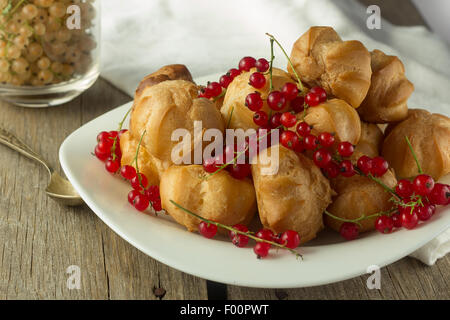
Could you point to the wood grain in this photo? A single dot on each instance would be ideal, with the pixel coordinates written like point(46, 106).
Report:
point(39, 239)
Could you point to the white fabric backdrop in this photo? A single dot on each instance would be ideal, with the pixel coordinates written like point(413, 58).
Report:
point(210, 36)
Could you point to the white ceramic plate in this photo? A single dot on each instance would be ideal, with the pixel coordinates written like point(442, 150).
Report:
point(327, 259)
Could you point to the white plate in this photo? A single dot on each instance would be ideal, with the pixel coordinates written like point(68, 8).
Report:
point(327, 259)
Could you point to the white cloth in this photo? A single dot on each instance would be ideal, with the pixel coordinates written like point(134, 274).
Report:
point(210, 36)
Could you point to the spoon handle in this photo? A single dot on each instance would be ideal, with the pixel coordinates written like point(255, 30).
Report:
point(10, 140)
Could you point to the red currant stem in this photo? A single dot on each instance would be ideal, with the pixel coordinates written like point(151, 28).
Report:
point(363, 217)
point(237, 155)
point(414, 155)
point(223, 226)
point(305, 107)
point(231, 115)
point(113, 148)
point(390, 190)
point(220, 95)
point(289, 60)
point(272, 57)
point(135, 160)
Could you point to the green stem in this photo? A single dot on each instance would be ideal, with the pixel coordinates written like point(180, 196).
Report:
point(272, 57)
point(414, 155)
point(363, 217)
point(229, 119)
point(223, 226)
point(113, 148)
point(385, 187)
point(289, 61)
point(10, 13)
point(135, 160)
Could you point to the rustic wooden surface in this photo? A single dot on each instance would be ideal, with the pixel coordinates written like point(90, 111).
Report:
point(39, 239)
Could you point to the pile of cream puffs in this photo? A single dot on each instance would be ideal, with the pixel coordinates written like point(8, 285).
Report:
point(351, 155)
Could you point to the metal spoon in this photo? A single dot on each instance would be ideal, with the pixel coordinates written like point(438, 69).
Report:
point(59, 188)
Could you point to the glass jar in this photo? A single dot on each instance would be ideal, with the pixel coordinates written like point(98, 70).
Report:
point(49, 50)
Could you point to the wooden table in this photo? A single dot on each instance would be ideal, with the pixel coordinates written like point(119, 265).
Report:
point(40, 239)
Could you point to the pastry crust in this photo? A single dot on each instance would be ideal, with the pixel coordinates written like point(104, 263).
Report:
point(357, 196)
point(389, 90)
point(335, 116)
point(237, 91)
point(370, 141)
point(295, 197)
point(430, 138)
point(150, 166)
point(169, 72)
point(220, 198)
point(342, 68)
point(165, 107)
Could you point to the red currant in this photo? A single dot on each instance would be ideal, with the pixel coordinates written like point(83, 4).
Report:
point(208, 230)
point(290, 91)
point(112, 165)
point(225, 80)
point(312, 99)
point(214, 88)
point(440, 195)
point(103, 136)
point(384, 224)
point(240, 170)
point(322, 158)
point(287, 139)
point(262, 65)
point(152, 193)
point(260, 118)
point(298, 104)
point(275, 120)
point(349, 230)
point(303, 128)
point(265, 234)
point(233, 73)
point(346, 169)
point(253, 101)
point(104, 146)
point(157, 205)
point(257, 80)
point(320, 92)
point(113, 134)
point(379, 167)
point(205, 93)
point(326, 139)
point(345, 149)
point(239, 240)
point(261, 249)
point(246, 63)
point(102, 156)
point(210, 165)
point(138, 185)
point(311, 142)
point(365, 164)
point(332, 170)
point(290, 239)
point(404, 188)
point(141, 202)
point(423, 184)
point(128, 172)
point(276, 100)
point(298, 145)
point(409, 220)
point(424, 213)
point(397, 220)
point(288, 119)
point(132, 195)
